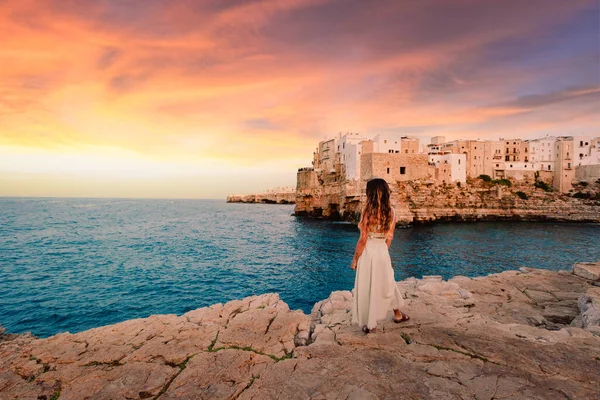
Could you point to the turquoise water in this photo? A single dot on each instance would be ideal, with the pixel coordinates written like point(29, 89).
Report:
point(74, 264)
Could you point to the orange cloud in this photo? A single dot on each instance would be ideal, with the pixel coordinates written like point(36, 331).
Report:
point(246, 84)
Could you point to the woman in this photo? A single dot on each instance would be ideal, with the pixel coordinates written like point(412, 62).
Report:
point(375, 290)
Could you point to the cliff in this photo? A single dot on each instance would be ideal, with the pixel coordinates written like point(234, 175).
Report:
point(425, 201)
point(520, 334)
point(265, 198)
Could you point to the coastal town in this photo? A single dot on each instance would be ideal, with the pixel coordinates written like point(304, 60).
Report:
point(559, 161)
point(550, 178)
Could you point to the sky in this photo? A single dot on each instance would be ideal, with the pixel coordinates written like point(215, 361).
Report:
point(202, 98)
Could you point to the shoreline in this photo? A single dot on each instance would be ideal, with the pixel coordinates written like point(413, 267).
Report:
point(5, 332)
point(534, 332)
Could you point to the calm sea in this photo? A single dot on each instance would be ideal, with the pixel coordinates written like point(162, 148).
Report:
point(74, 264)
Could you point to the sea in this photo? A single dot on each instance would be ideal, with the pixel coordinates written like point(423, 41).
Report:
point(67, 265)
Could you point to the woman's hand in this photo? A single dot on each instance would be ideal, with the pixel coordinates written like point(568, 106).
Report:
point(353, 265)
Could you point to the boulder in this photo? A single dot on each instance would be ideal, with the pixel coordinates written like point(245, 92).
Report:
point(589, 270)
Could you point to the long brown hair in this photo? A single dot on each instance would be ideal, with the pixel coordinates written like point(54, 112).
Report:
point(377, 211)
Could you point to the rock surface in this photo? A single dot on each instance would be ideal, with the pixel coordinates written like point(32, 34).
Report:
point(589, 271)
point(424, 202)
point(529, 334)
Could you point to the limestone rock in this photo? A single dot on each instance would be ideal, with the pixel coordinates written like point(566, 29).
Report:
point(589, 271)
point(220, 375)
point(507, 335)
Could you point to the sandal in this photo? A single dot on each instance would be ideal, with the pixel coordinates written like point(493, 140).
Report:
point(403, 319)
point(365, 329)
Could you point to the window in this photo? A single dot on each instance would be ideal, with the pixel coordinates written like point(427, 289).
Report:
point(581, 143)
point(548, 167)
point(497, 165)
point(514, 150)
point(388, 170)
point(459, 161)
point(511, 165)
point(390, 151)
point(580, 155)
point(568, 165)
point(343, 145)
point(507, 150)
point(385, 141)
point(402, 170)
point(507, 158)
point(397, 151)
point(406, 151)
point(475, 147)
point(514, 142)
point(586, 143)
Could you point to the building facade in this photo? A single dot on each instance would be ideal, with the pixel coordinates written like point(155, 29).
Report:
point(353, 157)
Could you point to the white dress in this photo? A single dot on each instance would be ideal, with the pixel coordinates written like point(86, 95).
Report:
point(375, 290)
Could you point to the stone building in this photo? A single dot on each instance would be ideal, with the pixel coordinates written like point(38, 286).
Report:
point(352, 157)
point(564, 170)
point(586, 150)
point(448, 167)
point(325, 156)
point(394, 167)
point(476, 152)
point(395, 144)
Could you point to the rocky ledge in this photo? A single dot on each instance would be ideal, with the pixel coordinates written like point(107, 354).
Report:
point(529, 334)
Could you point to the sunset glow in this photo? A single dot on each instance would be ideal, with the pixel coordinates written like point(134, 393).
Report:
point(198, 99)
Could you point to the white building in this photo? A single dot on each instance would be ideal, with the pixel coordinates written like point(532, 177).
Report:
point(542, 151)
point(350, 149)
point(438, 140)
point(395, 143)
point(457, 164)
point(585, 150)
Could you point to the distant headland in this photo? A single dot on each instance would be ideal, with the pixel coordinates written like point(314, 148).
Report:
point(280, 195)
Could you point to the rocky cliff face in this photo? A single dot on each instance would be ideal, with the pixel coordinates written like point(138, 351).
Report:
point(421, 202)
point(265, 198)
point(529, 334)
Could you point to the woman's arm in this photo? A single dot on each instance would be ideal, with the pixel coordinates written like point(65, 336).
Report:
point(390, 233)
point(360, 247)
